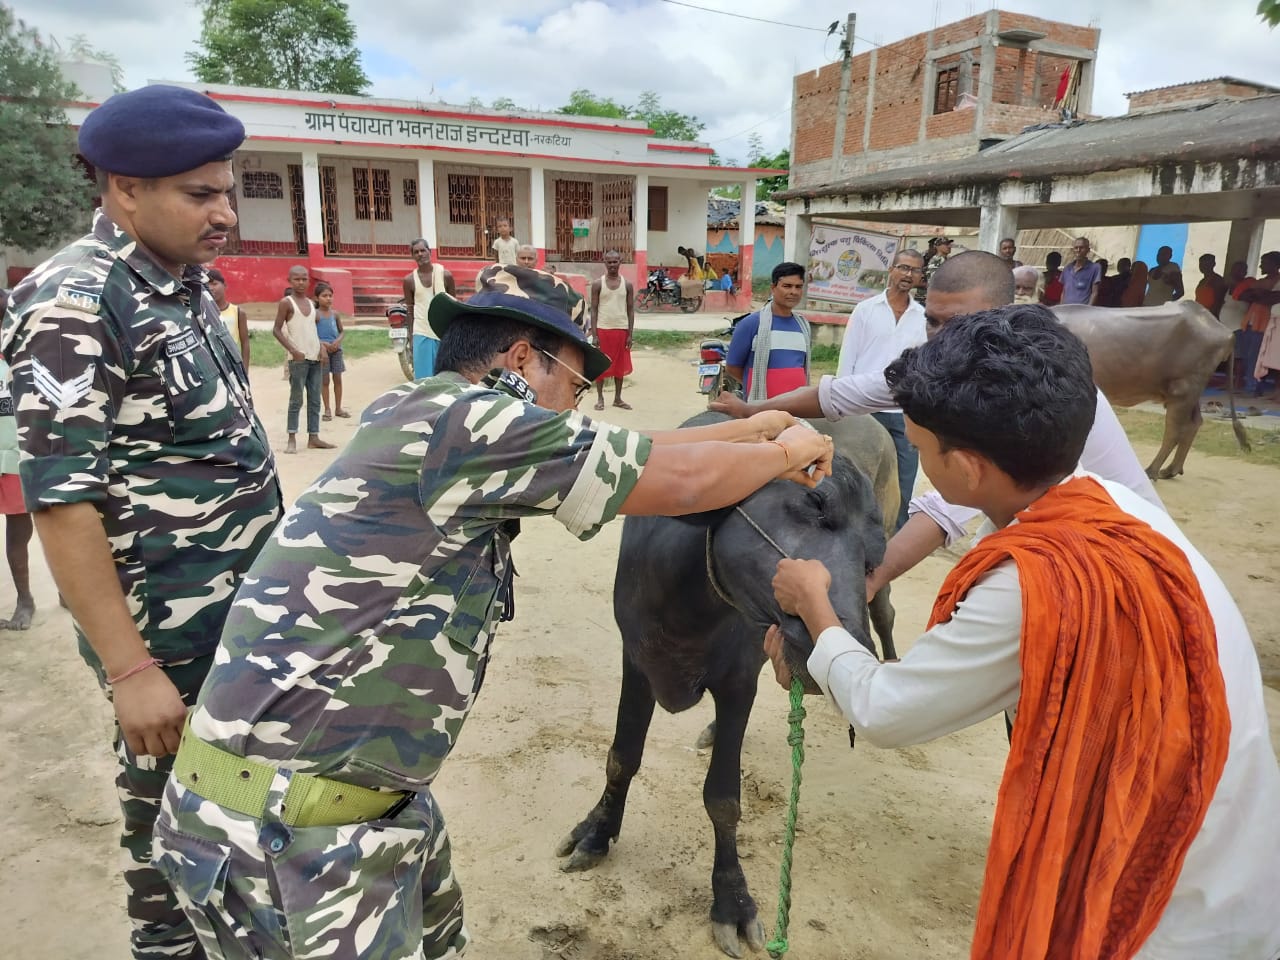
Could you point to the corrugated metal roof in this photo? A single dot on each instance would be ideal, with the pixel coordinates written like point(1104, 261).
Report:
point(1219, 131)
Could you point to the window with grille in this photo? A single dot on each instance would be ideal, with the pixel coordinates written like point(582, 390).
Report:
point(946, 89)
point(261, 185)
point(381, 194)
point(658, 208)
point(410, 187)
point(360, 191)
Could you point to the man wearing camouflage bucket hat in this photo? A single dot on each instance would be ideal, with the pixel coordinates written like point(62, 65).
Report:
point(146, 470)
point(299, 820)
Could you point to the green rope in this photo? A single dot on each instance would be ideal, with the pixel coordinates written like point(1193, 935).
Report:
point(795, 736)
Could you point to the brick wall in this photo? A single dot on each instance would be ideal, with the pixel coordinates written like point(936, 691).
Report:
point(813, 114)
point(1022, 82)
point(1189, 93)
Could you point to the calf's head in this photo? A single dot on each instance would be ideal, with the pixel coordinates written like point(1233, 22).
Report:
point(838, 522)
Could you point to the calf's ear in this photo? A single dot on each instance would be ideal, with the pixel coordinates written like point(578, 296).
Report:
point(870, 524)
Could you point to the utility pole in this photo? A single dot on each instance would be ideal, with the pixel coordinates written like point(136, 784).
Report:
point(842, 100)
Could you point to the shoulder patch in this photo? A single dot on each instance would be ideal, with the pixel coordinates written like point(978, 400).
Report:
point(77, 298)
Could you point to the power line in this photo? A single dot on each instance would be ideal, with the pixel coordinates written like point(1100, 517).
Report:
point(743, 16)
point(786, 109)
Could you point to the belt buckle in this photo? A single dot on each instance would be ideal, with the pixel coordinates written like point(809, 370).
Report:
point(399, 806)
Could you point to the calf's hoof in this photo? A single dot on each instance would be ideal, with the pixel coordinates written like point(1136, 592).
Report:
point(584, 846)
point(1168, 473)
point(707, 737)
point(729, 936)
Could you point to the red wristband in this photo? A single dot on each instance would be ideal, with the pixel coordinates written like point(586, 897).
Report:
point(133, 671)
point(785, 452)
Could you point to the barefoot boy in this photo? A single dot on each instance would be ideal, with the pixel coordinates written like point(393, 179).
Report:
point(296, 330)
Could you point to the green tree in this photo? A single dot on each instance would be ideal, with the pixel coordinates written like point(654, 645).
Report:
point(1269, 11)
point(81, 49)
point(282, 44)
point(584, 103)
point(766, 187)
point(504, 103)
point(668, 124)
point(44, 195)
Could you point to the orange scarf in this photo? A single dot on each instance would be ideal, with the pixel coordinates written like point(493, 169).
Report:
point(1121, 734)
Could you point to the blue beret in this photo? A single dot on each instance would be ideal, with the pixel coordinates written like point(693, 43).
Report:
point(158, 131)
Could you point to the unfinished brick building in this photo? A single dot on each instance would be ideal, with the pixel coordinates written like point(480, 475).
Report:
point(937, 95)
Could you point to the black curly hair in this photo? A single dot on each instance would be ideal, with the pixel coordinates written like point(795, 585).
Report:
point(1011, 384)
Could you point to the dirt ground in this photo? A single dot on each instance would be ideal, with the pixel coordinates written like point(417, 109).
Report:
point(889, 856)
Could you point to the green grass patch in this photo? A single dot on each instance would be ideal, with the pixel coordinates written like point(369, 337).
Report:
point(1215, 437)
point(265, 350)
point(666, 339)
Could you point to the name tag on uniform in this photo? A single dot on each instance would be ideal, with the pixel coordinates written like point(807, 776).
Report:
point(184, 342)
point(85, 301)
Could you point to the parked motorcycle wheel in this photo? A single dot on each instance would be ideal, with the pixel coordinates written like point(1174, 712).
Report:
point(644, 301)
point(405, 356)
point(690, 304)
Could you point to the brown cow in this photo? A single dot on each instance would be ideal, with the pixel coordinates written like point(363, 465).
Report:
point(1166, 353)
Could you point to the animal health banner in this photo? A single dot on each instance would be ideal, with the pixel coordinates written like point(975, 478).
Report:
point(848, 265)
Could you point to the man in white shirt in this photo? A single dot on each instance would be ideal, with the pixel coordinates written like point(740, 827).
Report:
point(1138, 809)
point(879, 329)
point(966, 283)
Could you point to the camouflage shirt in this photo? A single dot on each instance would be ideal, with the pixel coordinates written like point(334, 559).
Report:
point(131, 395)
point(358, 640)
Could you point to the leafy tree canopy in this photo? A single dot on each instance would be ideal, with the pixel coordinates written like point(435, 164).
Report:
point(44, 195)
point(669, 124)
point(1269, 11)
point(282, 44)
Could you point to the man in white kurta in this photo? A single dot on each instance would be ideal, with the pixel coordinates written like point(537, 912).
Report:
point(969, 667)
point(879, 329)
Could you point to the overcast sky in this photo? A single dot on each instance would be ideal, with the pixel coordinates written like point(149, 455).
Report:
point(734, 74)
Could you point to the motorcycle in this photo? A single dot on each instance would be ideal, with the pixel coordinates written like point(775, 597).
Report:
point(662, 290)
point(398, 333)
point(713, 379)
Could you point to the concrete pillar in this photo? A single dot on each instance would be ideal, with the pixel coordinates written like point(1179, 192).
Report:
point(1084, 97)
point(640, 224)
point(747, 234)
point(997, 222)
point(798, 233)
point(427, 200)
point(311, 205)
point(1244, 242)
point(869, 108)
point(538, 212)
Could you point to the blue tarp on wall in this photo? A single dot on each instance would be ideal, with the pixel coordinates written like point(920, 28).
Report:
point(1153, 236)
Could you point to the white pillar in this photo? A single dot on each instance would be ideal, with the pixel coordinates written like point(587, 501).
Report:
point(427, 200)
point(538, 207)
point(311, 206)
point(1244, 242)
point(997, 222)
point(798, 233)
point(640, 216)
point(747, 234)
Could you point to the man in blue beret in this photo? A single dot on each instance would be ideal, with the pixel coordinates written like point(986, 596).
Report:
point(148, 474)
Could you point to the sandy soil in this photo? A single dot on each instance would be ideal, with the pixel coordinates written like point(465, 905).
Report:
point(889, 856)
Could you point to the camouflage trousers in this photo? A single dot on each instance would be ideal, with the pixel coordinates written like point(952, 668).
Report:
point(160, 928)
point(256, 888)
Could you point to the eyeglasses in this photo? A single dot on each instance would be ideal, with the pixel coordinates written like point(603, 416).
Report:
point(903, 268)
point(581, 389)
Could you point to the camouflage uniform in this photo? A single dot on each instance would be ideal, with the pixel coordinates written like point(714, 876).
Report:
point(354, 651)
point(131, 395)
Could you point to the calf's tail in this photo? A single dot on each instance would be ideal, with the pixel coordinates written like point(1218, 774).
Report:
point(1242, 439)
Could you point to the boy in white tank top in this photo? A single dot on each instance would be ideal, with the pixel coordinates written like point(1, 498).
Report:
point(295, 329)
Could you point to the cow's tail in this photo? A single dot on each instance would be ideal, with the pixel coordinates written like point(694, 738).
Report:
point(1237, 427)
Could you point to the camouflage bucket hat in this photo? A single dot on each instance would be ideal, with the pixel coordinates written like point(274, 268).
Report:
point(531, 296)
